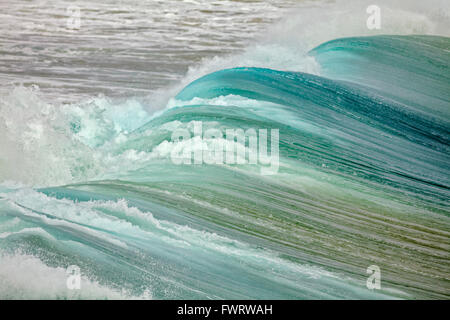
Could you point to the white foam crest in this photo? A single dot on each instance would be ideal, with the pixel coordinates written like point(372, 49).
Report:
point(314, 23)
point(36, 231)
point(81, 216)
point(91, 217)
point(46, 144)
point(285, 44)
point(36, 145)
point(24, 276)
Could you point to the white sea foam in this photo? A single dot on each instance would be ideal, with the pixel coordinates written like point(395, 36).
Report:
point(23, 276)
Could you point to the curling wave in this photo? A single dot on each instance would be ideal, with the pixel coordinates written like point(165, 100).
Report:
point(363, 180)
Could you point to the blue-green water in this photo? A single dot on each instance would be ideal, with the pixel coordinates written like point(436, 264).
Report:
point(363, 180)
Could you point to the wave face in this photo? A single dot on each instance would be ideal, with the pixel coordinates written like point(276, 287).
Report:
point(363, 180)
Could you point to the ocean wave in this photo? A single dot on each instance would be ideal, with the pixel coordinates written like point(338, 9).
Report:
point(363, 179)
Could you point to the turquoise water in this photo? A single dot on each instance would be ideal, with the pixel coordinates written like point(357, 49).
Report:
point(363, 180)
